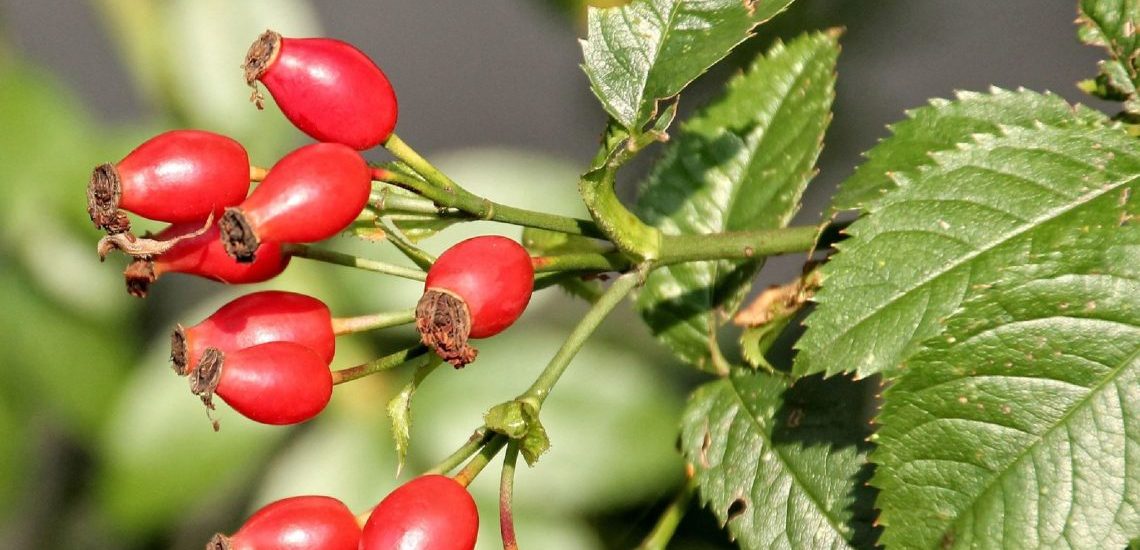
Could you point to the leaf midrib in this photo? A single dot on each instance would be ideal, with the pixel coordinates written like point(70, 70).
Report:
point(1061, 421)
point(792, 472)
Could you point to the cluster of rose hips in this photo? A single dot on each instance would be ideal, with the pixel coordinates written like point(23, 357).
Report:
point(267, 354)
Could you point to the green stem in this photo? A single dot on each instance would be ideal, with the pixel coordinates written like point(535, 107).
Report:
point(387, 362)
point(417, 255)
point(667, 524)
point(385, 201)
point(477, 440)
point(446, 193)
point(617, 222)
point(596, 187)
point(340, 258)
point(741, 245)
point(363, 323)
point(465, 476)
point(541, 387)
point(581, 261)
point(506, 495)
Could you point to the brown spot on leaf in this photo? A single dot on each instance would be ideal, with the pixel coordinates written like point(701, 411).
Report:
point(738, 507)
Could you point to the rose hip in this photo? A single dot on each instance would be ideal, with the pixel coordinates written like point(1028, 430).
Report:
point(431, 512)
point(257, 318)
point(203, 256)
point(272, 383)
point(309, 195)
point(177, 176)
point(327, 88)
point(295, 523)
point(475, 289)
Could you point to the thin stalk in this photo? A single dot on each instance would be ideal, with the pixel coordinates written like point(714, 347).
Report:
point(387, 362)
point(581, 261)
point(506, 495)
point(465, 476)
point(257, 173)
point(667, 524)
point(541, 387)
point(376, 321)
point(445, 192)
point(417, 255)
point(340, 258)
point(741, 245)
point(477, 440)
point(385, 200)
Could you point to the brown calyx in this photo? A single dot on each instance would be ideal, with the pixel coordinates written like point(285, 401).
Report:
point(104, 190)
point(204, 379)
point(179, 352)
point(444, 324)
point(138, 275)
point(219, 542)
point(262, 53)
point(238, 236)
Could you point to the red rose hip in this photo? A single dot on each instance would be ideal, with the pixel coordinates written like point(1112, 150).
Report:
point(257, 318)
point(327, 88)
point(204, 256)
point(272, 383)
point(295, 523)
point(431, 512)
point(309, 195)
point(475, 289)
point(177, 176)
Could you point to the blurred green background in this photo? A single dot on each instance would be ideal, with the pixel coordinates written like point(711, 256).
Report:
point(103, 447)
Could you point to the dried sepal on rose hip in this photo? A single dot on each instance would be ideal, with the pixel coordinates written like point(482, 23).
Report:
point(176, 176)
point(310, 195)
point(295, 523)
point(257, 318)
point(272, 383)
point(191, 251)
point(476, 289)
point(430, 512)
point(327, 88)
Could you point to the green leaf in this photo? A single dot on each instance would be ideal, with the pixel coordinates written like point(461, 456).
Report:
point(782, 465)
point(400, 407)
point(1019, 426)
point(1112, 24)
point(650, 50)
point(953, 229)
point(944, 124)
point(742, 163)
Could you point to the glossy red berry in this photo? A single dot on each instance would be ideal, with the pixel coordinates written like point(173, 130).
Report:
point(475, 289)
point(309, 195)
point(204, 256)
point(257, 318)
point(328, 88)
point(295, 523)
point(177, 176)
point(271, 383)
point(430, 512)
